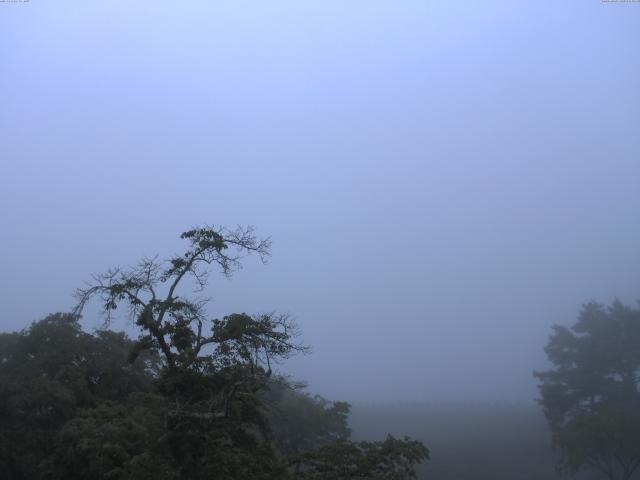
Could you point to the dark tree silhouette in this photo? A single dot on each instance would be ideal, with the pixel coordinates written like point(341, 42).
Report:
point(192, 397)
point(173, 324)
point(591, 397)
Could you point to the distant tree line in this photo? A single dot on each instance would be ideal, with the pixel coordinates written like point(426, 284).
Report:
point(190, 398)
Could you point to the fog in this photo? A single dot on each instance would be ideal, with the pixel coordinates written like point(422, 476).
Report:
point(442, 181)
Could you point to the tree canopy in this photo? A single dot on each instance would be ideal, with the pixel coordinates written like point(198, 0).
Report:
point(591, 397)
point(51, 372)
point(192, 397)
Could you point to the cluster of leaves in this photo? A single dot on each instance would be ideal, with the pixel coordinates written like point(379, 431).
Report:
point(191, 398)
point(591, 397)
point(392, 459)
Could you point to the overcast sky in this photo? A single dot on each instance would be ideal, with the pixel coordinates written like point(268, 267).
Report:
point(443, 181)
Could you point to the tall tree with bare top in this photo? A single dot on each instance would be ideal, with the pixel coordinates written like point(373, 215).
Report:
point(214, 368)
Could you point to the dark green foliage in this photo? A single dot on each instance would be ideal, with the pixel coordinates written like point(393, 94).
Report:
point(393, 459)
point(591, 398)
point(72, 407)
point(48, 373)
point(112, 441)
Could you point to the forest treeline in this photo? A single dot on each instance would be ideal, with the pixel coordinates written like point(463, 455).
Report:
point(198, 398)
point(190, 398)
point(74, 406)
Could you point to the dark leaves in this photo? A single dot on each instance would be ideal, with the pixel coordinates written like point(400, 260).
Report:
point(593, 387)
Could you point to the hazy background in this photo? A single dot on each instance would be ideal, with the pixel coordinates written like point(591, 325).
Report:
point(442, 180)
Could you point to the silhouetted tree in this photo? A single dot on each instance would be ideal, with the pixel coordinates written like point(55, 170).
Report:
point(172, 324)
point(213, 370)
point(591, 397)
point(191, 398)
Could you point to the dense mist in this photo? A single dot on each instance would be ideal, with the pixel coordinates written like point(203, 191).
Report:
point(441, 181)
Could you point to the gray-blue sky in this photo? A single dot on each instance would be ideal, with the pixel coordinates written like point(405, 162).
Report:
point(442, 180)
